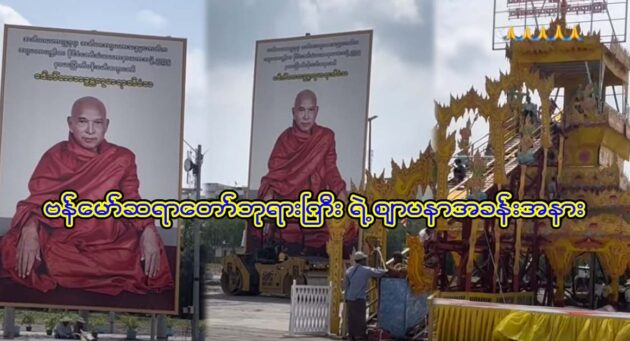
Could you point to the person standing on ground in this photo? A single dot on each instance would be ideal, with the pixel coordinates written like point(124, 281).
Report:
point(355, 294)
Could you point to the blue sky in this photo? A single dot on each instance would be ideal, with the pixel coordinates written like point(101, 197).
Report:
point(156, 18)
point(221, 39)
point(401, 76)
point(410, 70)
point(138, 16)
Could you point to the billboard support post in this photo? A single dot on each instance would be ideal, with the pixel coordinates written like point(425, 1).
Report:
point(8, 324)
point(160, 328)
point(152, 338)
point(370, 143)
point(197, 172)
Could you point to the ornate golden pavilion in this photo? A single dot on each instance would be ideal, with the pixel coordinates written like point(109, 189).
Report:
point(568, 148)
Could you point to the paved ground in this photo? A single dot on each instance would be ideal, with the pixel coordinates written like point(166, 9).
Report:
point(40, 336)
point(248, 317)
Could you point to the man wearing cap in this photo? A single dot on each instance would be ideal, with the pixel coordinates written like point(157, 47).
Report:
point(355, 294)
point(64, 329)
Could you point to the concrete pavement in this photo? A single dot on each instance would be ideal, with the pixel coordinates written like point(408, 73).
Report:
point(248, 317)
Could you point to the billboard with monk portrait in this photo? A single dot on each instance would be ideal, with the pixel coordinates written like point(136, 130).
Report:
point(89, 112)
point(309, 118)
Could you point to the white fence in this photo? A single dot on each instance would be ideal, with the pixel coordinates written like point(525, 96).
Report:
point(310, 309)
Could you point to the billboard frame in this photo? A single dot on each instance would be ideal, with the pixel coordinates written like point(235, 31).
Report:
point(370, 32)
point(180, 225)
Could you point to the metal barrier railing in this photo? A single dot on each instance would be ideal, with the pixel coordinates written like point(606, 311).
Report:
point(511, 146)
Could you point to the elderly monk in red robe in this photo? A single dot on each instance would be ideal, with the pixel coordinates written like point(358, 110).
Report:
point(106, 256)
point(303, 158)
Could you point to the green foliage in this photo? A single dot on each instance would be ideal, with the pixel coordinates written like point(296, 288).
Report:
point(28, 319)
point(51, 321)
point(98, 321)
point(131, 322)
point(216, 231)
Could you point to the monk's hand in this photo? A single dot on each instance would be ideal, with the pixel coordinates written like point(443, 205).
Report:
point(28, 250)
point(150, 252)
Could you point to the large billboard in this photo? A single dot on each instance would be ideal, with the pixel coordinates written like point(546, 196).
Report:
point(309, 119)
point(90, 112)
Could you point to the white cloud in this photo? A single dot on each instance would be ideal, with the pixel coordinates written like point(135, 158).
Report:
point(401, 89)
point(402, 97)
point(196, 116)
point(228, 137)
point(10, 16)
point(463, 48)
point(310, 15)
point(315, 12)
point(406, 11)
point(151, 19)
point(196, 79)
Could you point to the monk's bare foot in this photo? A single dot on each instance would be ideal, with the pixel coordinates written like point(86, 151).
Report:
point(150, 249)
point(28, 250)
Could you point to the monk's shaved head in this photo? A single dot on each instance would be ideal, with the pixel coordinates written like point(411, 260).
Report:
point(88, 122)
point(304, 94)
point(305, 110)
point(88, 102)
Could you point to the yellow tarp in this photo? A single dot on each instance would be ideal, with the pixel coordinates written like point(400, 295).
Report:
point(532, 326)
point(475, 321)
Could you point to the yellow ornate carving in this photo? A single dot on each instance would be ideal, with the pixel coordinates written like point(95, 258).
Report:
point(420, 278)
point(615, 260)
point(560, 258)
point(419, 173)
point(585, 111)
point(472, 241)
point(464, 142)
point(375, 188)
point(334, 248)
point(598, 227)
point(575, 177)
point(602, 198)
point(477, 180)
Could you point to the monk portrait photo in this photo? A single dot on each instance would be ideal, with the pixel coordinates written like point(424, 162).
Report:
point(304, 157)
point(105, 256)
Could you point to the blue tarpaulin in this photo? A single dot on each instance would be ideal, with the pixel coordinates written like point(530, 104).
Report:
point(399, 309)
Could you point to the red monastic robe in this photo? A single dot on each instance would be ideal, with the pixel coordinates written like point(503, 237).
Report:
point(98, 255)
point(301, 161)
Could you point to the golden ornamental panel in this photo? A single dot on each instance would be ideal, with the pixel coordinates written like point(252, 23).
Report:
point(573, 177)
point(600, 199)
point(420, 277)
point(599, 227)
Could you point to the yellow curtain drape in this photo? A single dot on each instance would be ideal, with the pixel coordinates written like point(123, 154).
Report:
point(464, 323)
point(535, 326)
